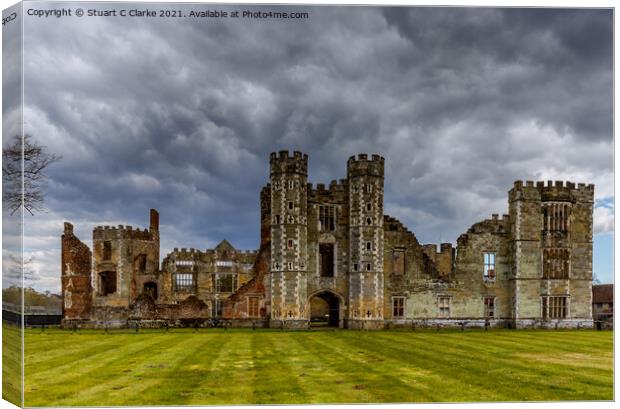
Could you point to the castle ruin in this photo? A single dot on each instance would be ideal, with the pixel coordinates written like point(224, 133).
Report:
point(329, 255)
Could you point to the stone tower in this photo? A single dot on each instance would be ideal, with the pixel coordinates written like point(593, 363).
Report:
point(288, 280)
point(122, 259)
point(365, 178)
point(551, 229)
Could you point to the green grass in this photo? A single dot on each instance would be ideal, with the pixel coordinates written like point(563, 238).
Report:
point(266, 367)
point(11, 364)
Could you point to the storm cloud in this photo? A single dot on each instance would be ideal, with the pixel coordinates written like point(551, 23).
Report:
point(182, 115)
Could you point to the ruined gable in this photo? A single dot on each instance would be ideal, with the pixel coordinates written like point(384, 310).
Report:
point(75, 276)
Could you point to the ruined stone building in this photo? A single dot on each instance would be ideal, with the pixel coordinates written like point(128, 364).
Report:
point(329, 254)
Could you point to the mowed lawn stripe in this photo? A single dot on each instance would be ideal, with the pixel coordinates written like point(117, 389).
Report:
point(514, 376)
point(443, 360)
point(326, 377)
point(388, 369)
point(511, 374)
point(561, 340)
point(473, 365)
point(596, 355)
point(81, 346)
point(135, 373)
point(223, 372)
point(11, 364)
point(276, 362)
point(84, 381)
point(253, 367)
point(370, 375)
point(93, 354)
point(181, 380)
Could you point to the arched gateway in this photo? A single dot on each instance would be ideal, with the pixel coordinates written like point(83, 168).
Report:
point(326, 309)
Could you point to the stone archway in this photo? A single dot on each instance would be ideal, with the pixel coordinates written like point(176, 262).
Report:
point(325, 309)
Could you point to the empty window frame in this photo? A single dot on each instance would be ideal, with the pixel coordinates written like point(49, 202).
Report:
point(150, 289)
point(107, 282)
point(556, 263)
point(443, 305)
point(368, 267)
point(355, 267)
point(289, 243)
point(488, 273)
point(225, 283)
point(183, 282)
point(290, 205)
point(327, 218)
point(489, 307)
point(556, 216)
point(368, 245)
point(217, 308)
point(368, 221)
point(253, 306)
point(107, 250)
point(398, 261)
point(141, 263)
point(326, 259)
point(554, 307)
point(398, 307)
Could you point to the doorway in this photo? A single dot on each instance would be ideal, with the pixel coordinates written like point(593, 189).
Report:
point(325, 310)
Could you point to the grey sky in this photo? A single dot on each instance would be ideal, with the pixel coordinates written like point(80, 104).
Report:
point(181, 115)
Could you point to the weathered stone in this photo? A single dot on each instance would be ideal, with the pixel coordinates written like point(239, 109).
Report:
point(331, 252)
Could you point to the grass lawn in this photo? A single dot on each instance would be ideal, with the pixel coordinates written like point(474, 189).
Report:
point(11, 364)
point(262, 367)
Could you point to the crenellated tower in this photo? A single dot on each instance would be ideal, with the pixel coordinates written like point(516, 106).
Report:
point(289, 231)
point(551, 229)
point(365, 176)
point(125, 262)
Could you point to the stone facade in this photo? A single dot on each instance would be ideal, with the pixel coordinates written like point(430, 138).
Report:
point(329, 255)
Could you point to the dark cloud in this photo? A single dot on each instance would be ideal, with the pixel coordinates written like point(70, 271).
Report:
point(182, 117)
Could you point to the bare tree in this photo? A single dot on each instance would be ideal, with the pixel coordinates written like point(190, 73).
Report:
point(35, 161)
point(16, 269)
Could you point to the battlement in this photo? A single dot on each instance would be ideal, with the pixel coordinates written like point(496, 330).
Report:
point(286, 155)
point(362, 166)
point(363, 157)
point(335, 187)
point(184, 250)
point(550, 184)
point(284, 162)
point(552, 190)
point(121, 232)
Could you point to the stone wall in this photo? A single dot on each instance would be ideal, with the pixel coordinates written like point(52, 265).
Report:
point(75, 267)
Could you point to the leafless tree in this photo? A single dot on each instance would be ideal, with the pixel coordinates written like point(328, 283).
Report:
point(35, 161)
point(17, 271)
